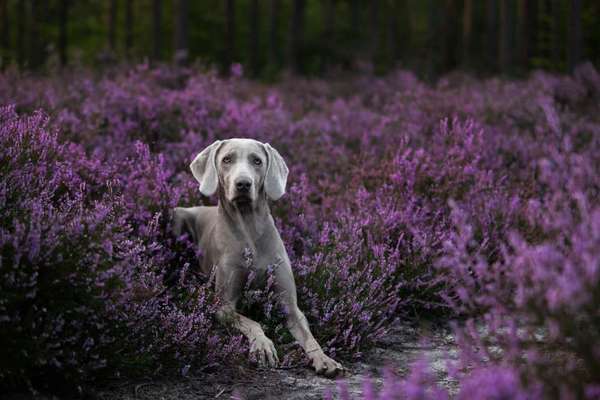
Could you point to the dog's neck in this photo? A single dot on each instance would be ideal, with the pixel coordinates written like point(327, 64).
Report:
point(246, 221)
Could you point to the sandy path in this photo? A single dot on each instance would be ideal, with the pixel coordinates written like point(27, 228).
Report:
point(398, 351)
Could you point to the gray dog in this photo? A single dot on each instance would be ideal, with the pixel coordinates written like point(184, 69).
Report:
point(239, 234)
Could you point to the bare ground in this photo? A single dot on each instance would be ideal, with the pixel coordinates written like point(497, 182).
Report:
point(398, 351)
point(401, 348)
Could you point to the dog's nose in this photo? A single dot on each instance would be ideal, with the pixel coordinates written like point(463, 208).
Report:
point(243, 185)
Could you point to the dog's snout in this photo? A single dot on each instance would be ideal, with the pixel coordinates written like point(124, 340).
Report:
point(243, 185)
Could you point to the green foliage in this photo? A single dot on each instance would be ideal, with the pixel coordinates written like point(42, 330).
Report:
point(411, 33)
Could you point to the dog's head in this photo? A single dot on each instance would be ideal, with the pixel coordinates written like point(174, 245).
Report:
point(242, 168)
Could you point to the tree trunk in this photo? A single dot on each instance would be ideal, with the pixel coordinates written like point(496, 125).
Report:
point(432, 38)
point(254, 37)
point(534, 22)
point(21, 39)
point(467, 30)
point(403, 32)
point(328, 40)
point(557, 54)
point(156, 29)
point(575, 35)
point(355, 16)
point(62, 34)
point(504, 37)
point(392, 35)
point(528, 32)
point(112, 26)
point(5, 32)
point(35, 45)
point(450, 35)
point(229, 53)
point(374, 39)
point(181, 32)
point(128, 27)
point(274, 58)
point(547, 35)
point(297, 36)
point(492, 34)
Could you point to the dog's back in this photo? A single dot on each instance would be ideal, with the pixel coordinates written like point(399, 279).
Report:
point(199, 223)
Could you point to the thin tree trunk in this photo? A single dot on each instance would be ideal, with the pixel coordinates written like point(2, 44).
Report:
point(328, 39)
point(393, 35)
point(35, 46)
point(432, 38)
point(504, 45)
point(492, 34)
point(403, 31)
point(62, 34)
point(181, 32)
point(357, 28)
point(156, 29)
point(512, 32)
point(254, 37)
point(128, 27)
point(557, 54)
point(532, 23)
point(229, 53)
point(547, 34)
point(297, 36)
point(374, 45)
point(449, 27)
point(355, 16)
point(5, 32)
point(523, 34)
point(274, 58)
point(112, 26)
point(575, 35)
point(467, 30)
point(21, 39)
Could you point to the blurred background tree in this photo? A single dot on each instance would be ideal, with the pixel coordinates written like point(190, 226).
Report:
point(310, 37)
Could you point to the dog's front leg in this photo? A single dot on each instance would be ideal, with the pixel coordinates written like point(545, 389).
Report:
point(229, 286)
point(298, 325)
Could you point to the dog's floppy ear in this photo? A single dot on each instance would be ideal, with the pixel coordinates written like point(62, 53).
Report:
point(277, 173)
point(204, 169)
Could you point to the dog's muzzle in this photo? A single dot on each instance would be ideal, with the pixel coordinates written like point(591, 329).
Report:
point(243, 187)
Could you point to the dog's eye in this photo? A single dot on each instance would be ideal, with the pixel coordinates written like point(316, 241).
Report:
point(257, 161)
point(226, 160)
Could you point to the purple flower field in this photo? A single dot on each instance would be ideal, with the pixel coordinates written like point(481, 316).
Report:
point(472, 202)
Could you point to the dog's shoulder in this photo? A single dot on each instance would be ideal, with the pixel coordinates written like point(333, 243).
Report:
point(193, 219)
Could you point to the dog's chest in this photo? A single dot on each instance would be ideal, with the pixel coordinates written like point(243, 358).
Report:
point(258, 267)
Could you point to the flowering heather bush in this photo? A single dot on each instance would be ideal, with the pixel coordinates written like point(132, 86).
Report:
point(491, 383)
point(471, 199)
point(540, 298)
point(83, 261)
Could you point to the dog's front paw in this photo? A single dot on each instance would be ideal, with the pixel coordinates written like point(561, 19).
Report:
point(263, 351)
point(326, 366)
